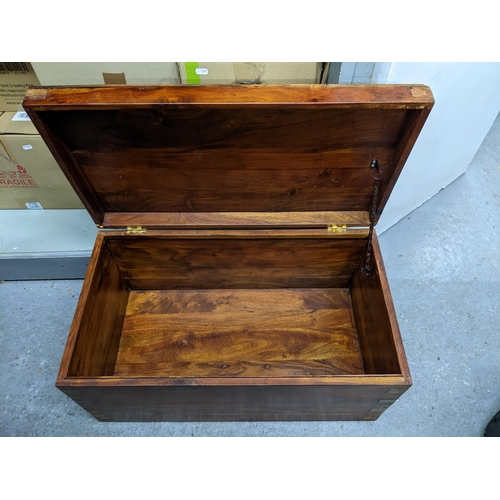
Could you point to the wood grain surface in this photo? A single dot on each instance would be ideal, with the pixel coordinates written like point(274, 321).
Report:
point(154, 401)
point(391, 312)
point(100, 326)
point(241, 160)
point(236, 263)
point(336, 96)
point(376, 322)
point(247, 220)
point(226, 149)
point(244, 333)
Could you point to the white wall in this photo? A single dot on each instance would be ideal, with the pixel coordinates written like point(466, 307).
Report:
point(467, 99)
point(359, 72)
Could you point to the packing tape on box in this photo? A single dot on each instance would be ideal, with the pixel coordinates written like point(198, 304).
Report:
point(248, 72)
point(114, 78)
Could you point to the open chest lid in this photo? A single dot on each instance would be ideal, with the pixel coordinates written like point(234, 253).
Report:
point(230, 156)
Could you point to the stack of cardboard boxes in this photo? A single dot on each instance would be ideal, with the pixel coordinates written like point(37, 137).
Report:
point(197, 73)
point(277, 73)
point(30, 177)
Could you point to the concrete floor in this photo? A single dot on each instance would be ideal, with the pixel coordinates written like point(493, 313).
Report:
point(443, 265)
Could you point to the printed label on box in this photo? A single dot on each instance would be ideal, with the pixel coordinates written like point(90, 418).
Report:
point(21, 116)
point(34, 205)
point(201, 71)
point(16, 178)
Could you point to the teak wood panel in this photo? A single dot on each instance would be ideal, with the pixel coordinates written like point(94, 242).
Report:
point(149, 403)
point(260, 220)
point(177, 263)
point(376, 323)
point(245, 333)
point(392, 170)
point(257, 149)
point(286, 96)
point(233, 160)
point(150, 182)
point(346, 134)
point(70, 169)
point(99, 331)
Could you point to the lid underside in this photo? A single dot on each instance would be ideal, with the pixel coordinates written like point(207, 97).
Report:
point(189, 150)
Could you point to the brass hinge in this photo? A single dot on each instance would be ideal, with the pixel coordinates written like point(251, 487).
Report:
point(136, 230)
point(337, 228)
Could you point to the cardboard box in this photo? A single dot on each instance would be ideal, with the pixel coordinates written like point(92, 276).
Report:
point(15, 78)
point(29, 176)
point(202, 73)
point(98, 73)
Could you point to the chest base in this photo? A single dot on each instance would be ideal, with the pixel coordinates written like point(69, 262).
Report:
point(223, 327)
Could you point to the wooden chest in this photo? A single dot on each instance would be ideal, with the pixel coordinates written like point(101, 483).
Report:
point(227, 281)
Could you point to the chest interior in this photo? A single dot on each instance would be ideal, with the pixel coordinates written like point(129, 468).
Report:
point(170, 306)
